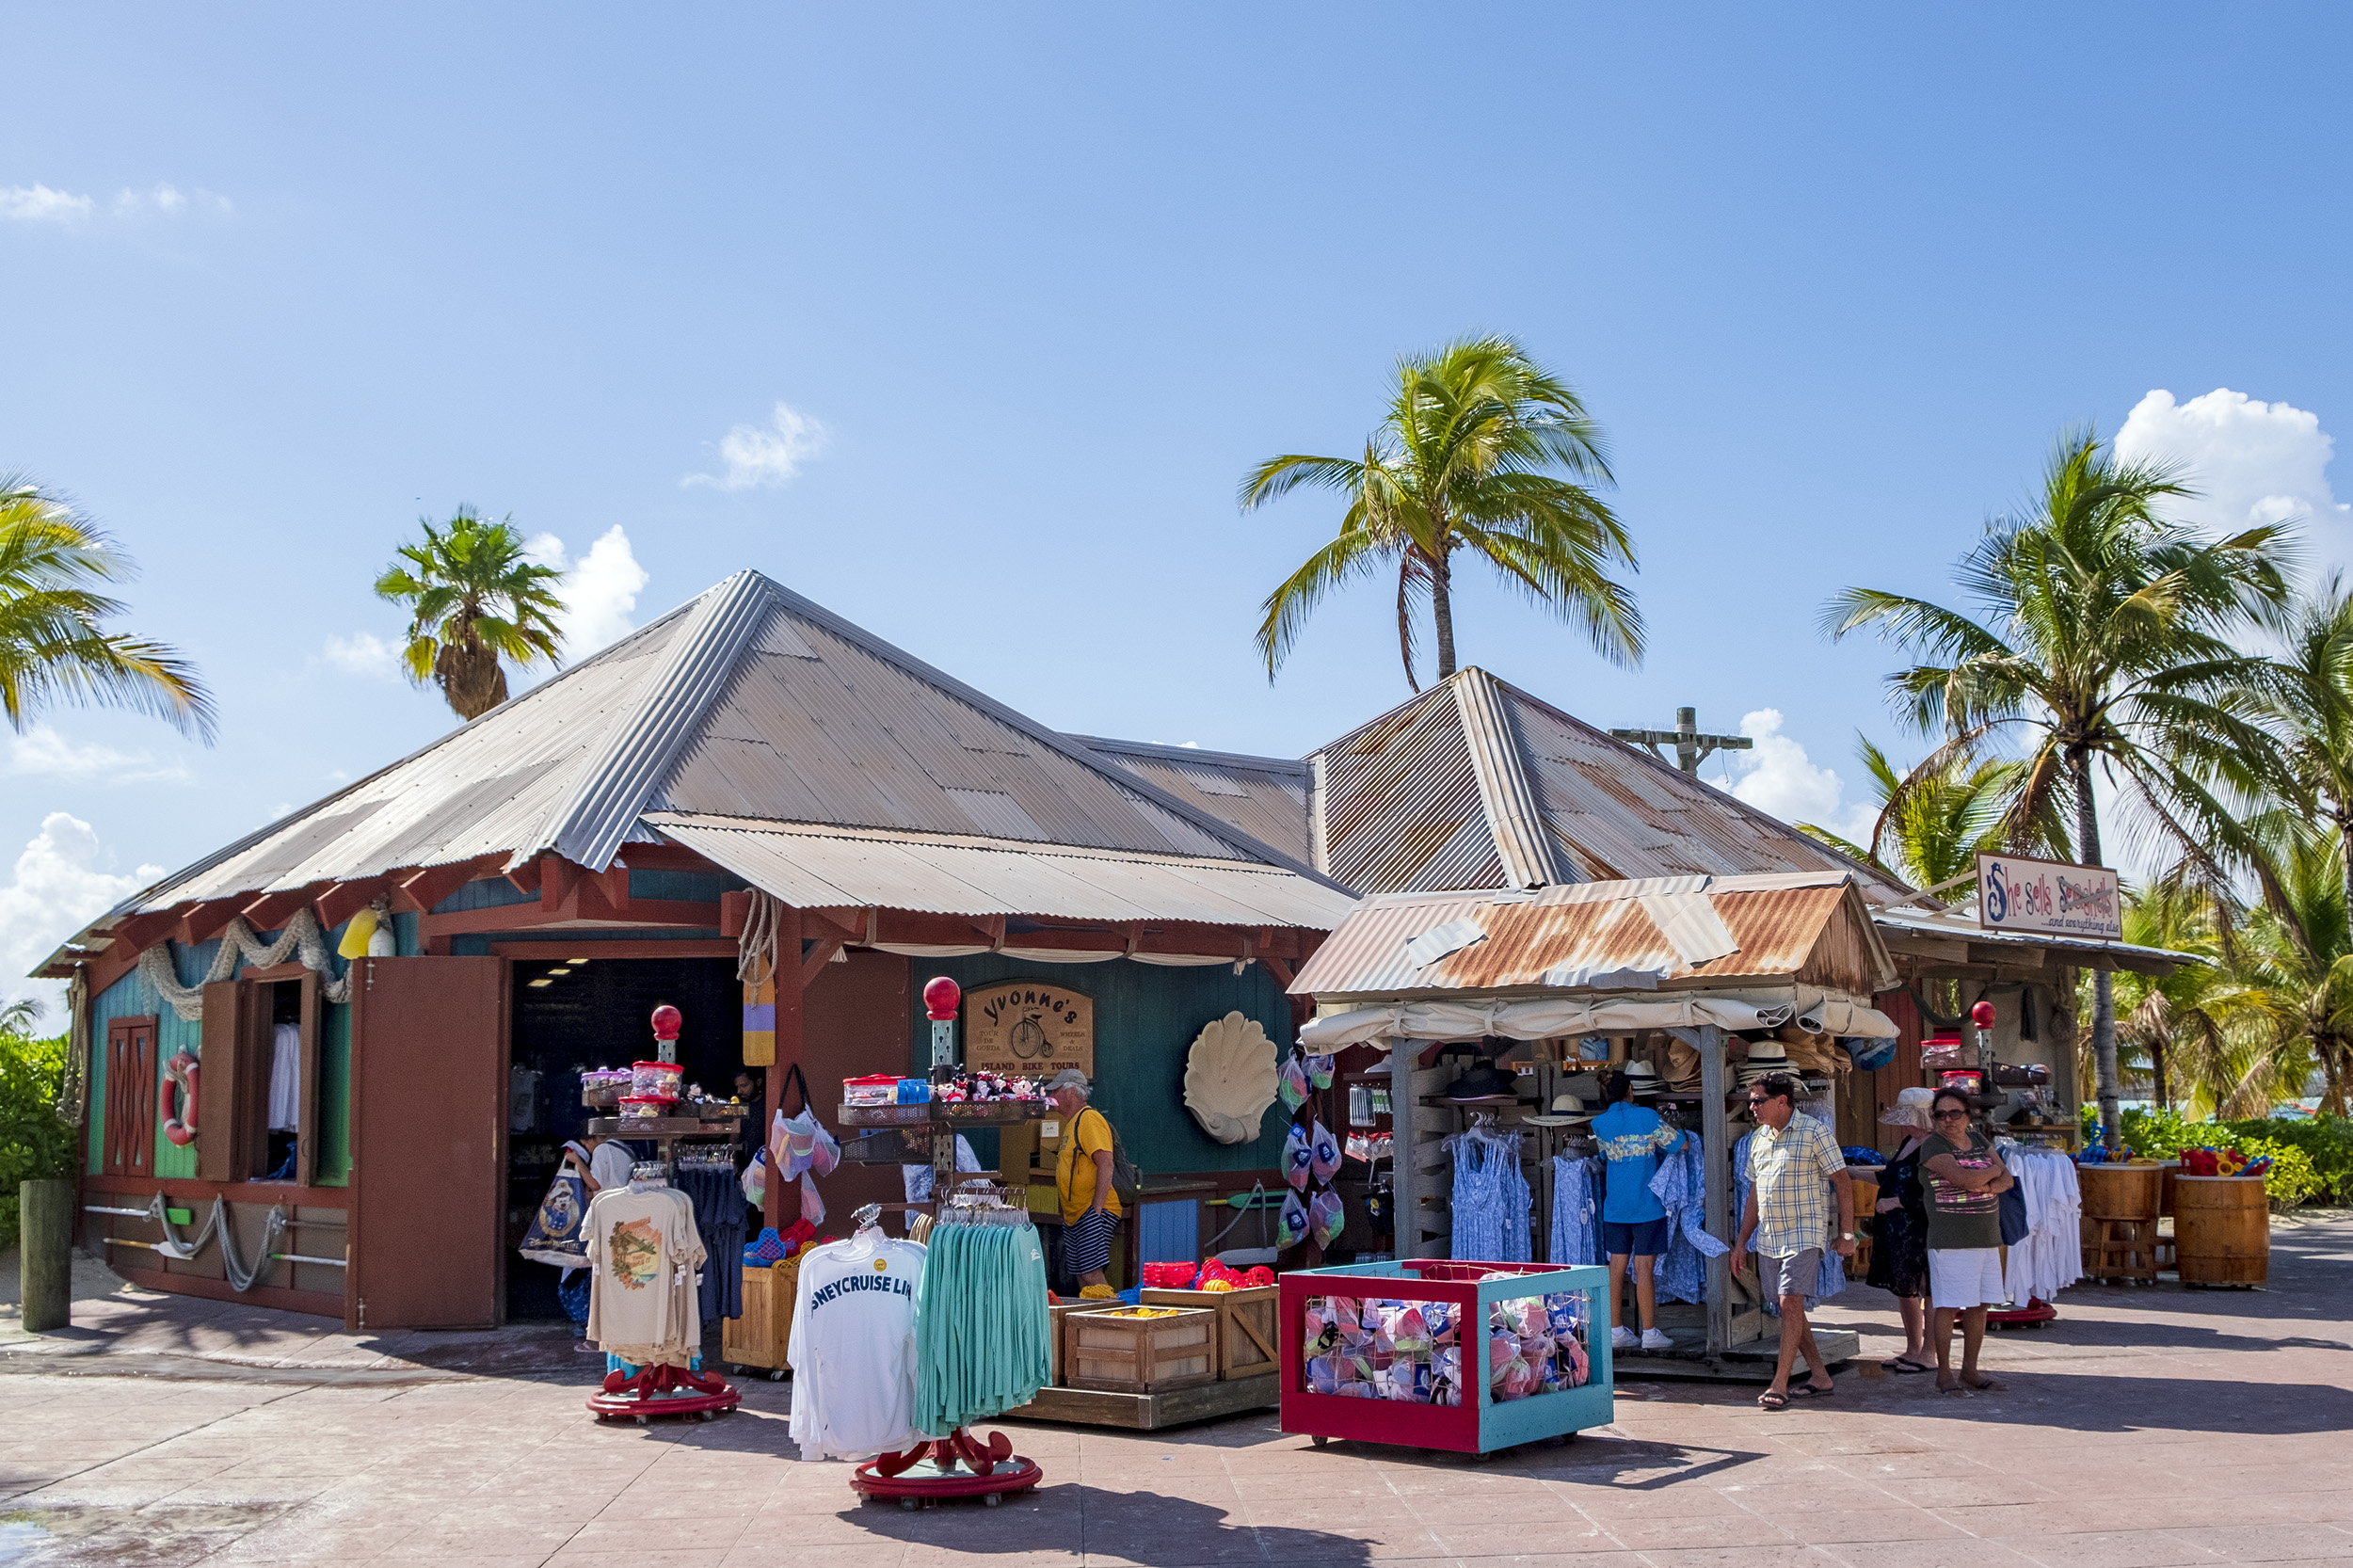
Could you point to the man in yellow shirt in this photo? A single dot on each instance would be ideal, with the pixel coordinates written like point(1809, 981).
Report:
point(1090, 1204)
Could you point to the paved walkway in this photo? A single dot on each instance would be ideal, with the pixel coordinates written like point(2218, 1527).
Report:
point(2147, 1429)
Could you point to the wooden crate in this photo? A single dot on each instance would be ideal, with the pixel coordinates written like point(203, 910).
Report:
point(763, 1336)
point(1055, 1313)
point(1113, 1354)
point(1245, 1325)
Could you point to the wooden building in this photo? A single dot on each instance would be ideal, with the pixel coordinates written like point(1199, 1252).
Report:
point(553, 871)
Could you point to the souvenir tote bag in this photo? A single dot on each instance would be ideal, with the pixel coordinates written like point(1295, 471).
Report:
point(558, 1231)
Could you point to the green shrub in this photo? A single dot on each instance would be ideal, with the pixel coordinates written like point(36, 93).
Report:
point(2310, 1157)
point(33, 1143)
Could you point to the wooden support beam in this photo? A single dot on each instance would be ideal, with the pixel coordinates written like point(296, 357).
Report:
point(270, 911)
point(206, 920)
point(416, 892)
point(141, 932)
point(346, 898)
point(2011, 955)
point(1715, 1185)
point(559, 877)
point(735, 913)
point(1279, 967)
point(815, 926)
point(525, 877)
point(818, 957)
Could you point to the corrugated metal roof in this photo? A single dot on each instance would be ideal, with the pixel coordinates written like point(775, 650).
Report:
point(1812, 930)
point(1263, 796)
point(749, 702)
point(944, 875)
point(1474, 768)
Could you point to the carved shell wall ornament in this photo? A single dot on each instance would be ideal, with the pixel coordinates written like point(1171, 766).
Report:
point(1230, 1079)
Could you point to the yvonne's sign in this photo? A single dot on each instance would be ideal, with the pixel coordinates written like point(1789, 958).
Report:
point(2043, 895)
point(1029, 1029)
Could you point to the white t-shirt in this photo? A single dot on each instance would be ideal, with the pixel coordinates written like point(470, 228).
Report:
point(853, 1348)
point(285, 1078)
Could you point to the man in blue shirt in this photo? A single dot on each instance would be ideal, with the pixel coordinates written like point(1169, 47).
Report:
point(1633, 1220)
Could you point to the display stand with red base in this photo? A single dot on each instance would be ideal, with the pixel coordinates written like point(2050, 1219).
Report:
point(956, 1465)
point(664, 1391)
point(2036, 1313)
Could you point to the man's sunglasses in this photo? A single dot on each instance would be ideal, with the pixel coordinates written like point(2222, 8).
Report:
point(1763, 1099)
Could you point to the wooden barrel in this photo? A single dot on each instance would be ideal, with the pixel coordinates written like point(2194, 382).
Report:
point(2119, 1191)
point(2221, 1230)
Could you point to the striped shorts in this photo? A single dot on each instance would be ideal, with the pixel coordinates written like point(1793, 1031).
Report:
point(1087, 1243)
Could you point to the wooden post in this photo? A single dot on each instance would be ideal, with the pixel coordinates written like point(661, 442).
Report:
point(1404, 1112)
point(45, 1219)
point(1716, 1158)
point(788, 1026)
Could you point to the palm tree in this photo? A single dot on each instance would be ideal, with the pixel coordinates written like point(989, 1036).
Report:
point(2106, 635)
point(473, 603)
point(53, 562)
point(2175, 1025)
point(1462, 462)
point(1931, 827)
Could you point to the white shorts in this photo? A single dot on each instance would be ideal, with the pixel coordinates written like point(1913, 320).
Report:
point(1963, 1277)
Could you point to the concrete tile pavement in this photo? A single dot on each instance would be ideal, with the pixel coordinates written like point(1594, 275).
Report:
point(2149, 1429)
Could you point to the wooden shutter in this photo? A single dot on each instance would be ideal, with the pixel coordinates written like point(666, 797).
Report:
point(127, 1146)
point(219, 1113)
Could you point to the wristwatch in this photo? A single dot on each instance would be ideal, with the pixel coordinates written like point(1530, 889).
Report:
point(1846, 1235)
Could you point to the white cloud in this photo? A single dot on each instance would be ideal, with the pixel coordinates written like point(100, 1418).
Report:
point(40, 205)
point(757, 455)
point(37, 204)
point(2251, 462)
point(61, 884)
point(41, 751)
point(1777, 778)
point(598, 590)
point(365, 653)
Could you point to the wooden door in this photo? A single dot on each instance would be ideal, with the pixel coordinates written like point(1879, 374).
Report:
point(855, 1020)
point(428, 1100)
point(128, 1148)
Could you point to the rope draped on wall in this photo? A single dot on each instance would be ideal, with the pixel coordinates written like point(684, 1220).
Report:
point(301, 937)
point(756, 949)
point(73, 1093)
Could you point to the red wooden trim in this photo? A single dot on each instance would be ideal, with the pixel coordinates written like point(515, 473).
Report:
point(275, 972)
point(557, 879)
point(819, 927)
point(206, 920)
point(548, 948)
point(235, 1192)
point(651, 914)
point(269, 912)
point(314, 1303)
point(668, 857)
point(421, 890)
point(346, 898)
point(527, 878)
point(735, 912)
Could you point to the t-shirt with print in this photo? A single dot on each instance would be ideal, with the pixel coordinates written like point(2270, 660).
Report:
point(643, 1245)
point(1632, 1138)
point(1958, 1218)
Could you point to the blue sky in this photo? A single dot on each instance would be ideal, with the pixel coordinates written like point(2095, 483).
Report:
point(1033, 287)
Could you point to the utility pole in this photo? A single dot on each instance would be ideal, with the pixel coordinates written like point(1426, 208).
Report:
point(1691, 747)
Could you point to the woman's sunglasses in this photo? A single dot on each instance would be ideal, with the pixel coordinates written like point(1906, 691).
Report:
point(1949, 1115)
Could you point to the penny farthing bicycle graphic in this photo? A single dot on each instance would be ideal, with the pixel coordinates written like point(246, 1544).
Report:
point(1028, 1040)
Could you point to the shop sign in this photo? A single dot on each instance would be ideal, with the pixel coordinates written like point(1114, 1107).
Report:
point(1030, 1028)
point(2046, 896)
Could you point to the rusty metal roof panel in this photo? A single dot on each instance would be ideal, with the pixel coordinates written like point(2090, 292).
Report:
point(1810, 929)
point(1403, 805)
point(939, 873)
point(1264, 796)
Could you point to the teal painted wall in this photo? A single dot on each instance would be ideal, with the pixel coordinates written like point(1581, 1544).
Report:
point(131, 996)
point(1146, 1019)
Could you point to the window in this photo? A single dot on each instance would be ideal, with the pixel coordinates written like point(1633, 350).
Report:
point(261, 1078)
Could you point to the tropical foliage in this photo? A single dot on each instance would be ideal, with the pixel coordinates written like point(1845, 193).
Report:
point(54, 567)
point(2310, 1157)
point(475, 604)
point(34, 1142)
point(2102, 638)
point(1482, 451)
point(1933, 824)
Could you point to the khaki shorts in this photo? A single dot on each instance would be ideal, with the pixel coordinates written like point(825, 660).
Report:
point(1799, 1274)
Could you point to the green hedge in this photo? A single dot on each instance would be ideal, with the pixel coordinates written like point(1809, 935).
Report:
point(2311, 1156)
point(33, 1143)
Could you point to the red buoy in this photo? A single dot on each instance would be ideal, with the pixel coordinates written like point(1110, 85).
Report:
point(941, 998)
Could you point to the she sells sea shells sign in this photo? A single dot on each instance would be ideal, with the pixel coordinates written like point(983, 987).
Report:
point(1030, 1028)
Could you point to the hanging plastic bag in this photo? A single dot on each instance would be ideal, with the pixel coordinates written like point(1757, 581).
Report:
point(812, 1206)
point(1297, 1156)
point(558, 1231)
point(755, 1180)
point(1320, 1071)
point(1326, 1219)
point(1323, 1154)
point(1291, 1228)
point(800, 1143)
point(1293, 1084)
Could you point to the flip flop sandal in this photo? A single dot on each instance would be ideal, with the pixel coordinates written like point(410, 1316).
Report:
point(1771, 1401)
point(1807, 1391)
point(1986, 1385)
point(1956, 1388)
point(1904, 1368)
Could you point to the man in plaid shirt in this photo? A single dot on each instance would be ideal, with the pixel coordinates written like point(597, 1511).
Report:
point(1790, 1158)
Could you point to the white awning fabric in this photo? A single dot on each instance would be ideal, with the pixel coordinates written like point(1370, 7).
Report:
point(1549, 1018)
